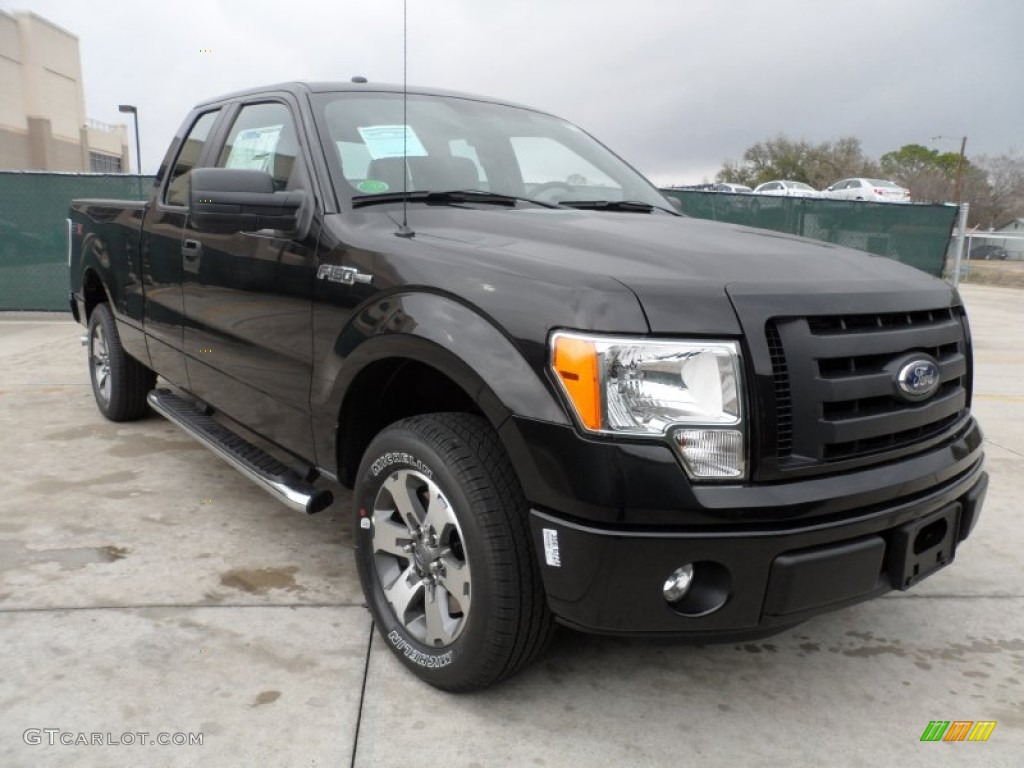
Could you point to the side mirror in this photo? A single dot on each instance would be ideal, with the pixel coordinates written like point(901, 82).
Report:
point(228, 200)
point(676, 203)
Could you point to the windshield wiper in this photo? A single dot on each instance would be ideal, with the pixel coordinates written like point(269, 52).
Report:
point(451, 196)
point(610, 205)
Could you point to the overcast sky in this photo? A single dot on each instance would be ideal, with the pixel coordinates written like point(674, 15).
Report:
point(675, 86)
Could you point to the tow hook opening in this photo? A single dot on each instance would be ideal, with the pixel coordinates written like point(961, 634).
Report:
point(929, 536)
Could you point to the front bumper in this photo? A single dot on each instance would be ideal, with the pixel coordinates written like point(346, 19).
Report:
point(750, 580)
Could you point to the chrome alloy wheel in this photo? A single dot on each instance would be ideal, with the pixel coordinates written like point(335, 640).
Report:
point(420, 559)
point(99, 354)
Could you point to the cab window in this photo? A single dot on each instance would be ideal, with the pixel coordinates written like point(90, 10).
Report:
point(191, 148)
point(262, 138)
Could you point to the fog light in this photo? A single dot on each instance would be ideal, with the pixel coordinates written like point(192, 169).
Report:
point(711, 453)
point(678, 584)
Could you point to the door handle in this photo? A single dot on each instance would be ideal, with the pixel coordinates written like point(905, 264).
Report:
point(191, 249)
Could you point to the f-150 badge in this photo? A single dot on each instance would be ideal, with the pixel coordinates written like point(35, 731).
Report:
point(345, 275)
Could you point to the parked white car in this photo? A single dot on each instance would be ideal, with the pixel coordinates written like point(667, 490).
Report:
point(740, 189)
point(876, 190)
point(786, 189)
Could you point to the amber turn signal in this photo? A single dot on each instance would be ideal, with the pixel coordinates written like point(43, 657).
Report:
point(575, 363)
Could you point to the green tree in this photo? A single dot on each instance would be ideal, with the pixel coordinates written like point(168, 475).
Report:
point(912, 159)
point(928, 174)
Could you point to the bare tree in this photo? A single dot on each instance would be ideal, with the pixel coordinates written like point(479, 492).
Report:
point(832, 161)
point(798, 160)
point(1004, 201)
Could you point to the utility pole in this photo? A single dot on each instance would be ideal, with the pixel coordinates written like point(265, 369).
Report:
point(958, 185)
point(958, 193)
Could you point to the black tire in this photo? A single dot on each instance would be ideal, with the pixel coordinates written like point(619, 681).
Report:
point(120, 383)
point(490, 614)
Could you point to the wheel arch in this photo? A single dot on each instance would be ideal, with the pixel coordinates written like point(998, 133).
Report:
point(388, 389)
point(440, 355)
point(94, 291)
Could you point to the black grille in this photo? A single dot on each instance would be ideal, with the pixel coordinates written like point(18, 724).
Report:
point(834, 380)
point(853, 323)
point(783, 396)
point(887, 442)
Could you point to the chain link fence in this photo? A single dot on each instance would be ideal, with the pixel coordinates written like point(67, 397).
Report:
point(917, 235)
point(33, 248)
point(993, 258)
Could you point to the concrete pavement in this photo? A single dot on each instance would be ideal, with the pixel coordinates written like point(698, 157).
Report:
point(147, 587)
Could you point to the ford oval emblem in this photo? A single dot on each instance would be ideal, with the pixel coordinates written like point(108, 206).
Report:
point(918, 379)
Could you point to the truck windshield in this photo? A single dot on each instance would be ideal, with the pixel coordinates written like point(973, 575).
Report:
point(460, 144)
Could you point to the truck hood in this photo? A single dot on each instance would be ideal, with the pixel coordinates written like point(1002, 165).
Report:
point(682, 270)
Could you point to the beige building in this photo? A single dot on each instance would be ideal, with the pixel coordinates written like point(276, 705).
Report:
point(42, 103)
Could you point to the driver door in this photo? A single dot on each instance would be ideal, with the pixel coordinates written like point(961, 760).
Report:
point(248, 295)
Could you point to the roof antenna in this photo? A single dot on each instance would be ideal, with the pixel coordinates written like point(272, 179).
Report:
point(404, 231)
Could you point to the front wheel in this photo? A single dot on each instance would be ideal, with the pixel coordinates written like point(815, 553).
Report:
point(444, 554)
point(120, 383)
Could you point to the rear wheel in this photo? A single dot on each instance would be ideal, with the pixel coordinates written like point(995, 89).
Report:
point(444, 554)
point(120, 383)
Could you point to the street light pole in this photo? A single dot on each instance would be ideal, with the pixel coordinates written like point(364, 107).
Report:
point(138, 151)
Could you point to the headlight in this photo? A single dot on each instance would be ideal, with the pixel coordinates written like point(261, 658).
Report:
point(690, 391)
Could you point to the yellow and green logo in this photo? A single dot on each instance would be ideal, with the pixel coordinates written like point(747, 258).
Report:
point(958, 730)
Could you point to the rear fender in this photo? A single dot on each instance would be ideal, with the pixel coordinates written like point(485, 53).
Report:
point(108, 246)
point(105, 250)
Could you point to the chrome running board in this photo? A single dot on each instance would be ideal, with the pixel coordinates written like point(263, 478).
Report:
point(259, 466)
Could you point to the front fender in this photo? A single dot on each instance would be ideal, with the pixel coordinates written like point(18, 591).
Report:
point(441, 332)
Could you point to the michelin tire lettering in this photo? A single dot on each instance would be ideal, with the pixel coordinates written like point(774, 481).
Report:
point(426, 660)
point(399, 457)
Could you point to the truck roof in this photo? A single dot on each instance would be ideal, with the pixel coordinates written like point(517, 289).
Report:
point(297, 87)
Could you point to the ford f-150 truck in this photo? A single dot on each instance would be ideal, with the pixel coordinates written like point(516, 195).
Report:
point(553, 397)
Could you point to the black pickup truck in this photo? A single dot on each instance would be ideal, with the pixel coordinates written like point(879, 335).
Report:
point(553, 397)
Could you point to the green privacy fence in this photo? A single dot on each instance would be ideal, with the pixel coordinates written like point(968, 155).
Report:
point(33, 207)
point(33, 251)
point(917, 235)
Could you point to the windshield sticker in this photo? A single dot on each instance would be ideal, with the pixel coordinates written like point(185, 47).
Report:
point(372, 186)
point(253, 150)
point(392, 141)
